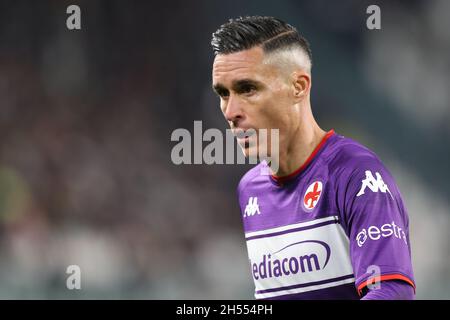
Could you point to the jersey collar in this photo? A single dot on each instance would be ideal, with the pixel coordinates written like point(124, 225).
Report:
point(283, 179)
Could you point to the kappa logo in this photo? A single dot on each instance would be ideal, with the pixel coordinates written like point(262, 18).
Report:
point(312, 195)
point(252, 207)
point(374, 184)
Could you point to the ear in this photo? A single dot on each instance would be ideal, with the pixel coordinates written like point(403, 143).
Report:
point(301, 84)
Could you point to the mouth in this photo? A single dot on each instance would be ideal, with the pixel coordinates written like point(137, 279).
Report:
point(244, 136)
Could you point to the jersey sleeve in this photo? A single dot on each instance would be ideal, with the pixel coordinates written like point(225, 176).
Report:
point(376, 223)
point(391, 290)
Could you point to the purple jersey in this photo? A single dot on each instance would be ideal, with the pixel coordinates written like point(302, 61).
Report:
point(329, 228)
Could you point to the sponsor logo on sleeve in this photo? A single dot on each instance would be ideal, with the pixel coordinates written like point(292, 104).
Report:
point(375, 233)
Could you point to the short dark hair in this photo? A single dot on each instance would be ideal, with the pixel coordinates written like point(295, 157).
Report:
point(247, 32)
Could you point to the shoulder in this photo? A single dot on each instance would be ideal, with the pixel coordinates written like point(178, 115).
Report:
point(363, 185)
point(346, 157)
point(252, 176)
point(352, 167)
point(359, 176)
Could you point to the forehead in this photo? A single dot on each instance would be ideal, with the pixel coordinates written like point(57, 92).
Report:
point(242, 64)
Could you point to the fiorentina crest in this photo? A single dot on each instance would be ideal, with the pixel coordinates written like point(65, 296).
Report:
point(312, 195)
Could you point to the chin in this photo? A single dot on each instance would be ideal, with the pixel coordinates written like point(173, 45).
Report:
point(251, 151)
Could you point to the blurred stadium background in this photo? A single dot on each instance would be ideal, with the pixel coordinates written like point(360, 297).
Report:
point(85, 124)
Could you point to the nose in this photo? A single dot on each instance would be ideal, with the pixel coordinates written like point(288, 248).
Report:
point(233, 111)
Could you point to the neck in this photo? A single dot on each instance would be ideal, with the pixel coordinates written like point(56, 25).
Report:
point(300, 146)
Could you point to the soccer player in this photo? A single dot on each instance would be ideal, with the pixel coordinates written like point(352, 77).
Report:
point(330, 223)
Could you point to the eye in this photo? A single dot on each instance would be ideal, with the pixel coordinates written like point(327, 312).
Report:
point(247, 89)
point(222, 93)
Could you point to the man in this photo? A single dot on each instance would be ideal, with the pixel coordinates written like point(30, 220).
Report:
point(330, 222)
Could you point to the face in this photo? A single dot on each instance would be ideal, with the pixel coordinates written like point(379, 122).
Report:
point(255, 95)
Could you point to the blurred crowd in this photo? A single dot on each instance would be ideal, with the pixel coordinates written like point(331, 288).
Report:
point(86, 117)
